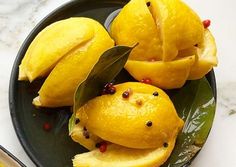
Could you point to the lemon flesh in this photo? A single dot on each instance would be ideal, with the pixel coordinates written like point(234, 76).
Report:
point(60, 85)
point(77, 135)
point(123, 121)
point(206, 57)
point(167, 75)
point(118, 156)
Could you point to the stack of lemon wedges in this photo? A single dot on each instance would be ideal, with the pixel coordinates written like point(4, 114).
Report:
point(64, 52)
point(173, 45)
point(137, 130)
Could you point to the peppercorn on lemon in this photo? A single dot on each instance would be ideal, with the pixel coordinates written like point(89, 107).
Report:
point(163, 74)
point(119, 156)
point(141, 126)
point(164, 30)
point(66, 50)
point(78, 136)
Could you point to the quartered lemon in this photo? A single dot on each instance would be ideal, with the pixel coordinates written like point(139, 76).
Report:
point(142, 127)
point(166, 75)
point(180, 26)
point(124, 121)
point(53, 43)
point(66, 51)
point(118, 156)
point(161, 28)
point(78, 136)
point(185, 50)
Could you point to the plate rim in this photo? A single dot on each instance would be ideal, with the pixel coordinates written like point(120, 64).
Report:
point(15, 70)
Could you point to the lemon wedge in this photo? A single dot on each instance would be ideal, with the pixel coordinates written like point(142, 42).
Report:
point(206, 57)
point(118, 156)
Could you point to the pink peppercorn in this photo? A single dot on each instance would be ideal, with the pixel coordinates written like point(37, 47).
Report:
point(47, 126)
point(206, 23)
point(103, 147)
point(146, 81)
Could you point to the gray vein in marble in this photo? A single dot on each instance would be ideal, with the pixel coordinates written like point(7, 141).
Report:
point(232, 112)
point(227, 97)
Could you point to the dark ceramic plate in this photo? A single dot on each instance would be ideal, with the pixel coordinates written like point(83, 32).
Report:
point(54, 148)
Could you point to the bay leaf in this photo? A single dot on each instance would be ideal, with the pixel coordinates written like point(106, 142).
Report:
point(105, 70)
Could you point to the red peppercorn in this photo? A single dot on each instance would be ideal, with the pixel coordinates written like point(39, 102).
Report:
point(103, 147)
point(206, 23)
point(146, 81)
point(125, 94)
point(112, 90)
point(109, 89)
point(47, 126)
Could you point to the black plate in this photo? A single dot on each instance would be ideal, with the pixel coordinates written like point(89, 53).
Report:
point(55, 148)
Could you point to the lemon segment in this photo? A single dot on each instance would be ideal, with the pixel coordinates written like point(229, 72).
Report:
point(59, 87)
point(161, 29)
point(206, 57)
point(118, 156)
point(186, 49)
point(180, 26)
point(135, 24)
point(23, 66)
point(77, 135)
point(166, 75)
point(52, 44)
point(124, 121)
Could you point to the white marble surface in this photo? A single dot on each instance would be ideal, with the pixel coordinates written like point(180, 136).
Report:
point(18, 17)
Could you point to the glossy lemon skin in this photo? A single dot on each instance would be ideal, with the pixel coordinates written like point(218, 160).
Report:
point(180, 35)
point(167, 75)
point(180, 26)
point(174, 74)
point(51, 44)
point(162, 29)
point(60, 85)
point(135, 24)
point(119, 156)
point(123, 121)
